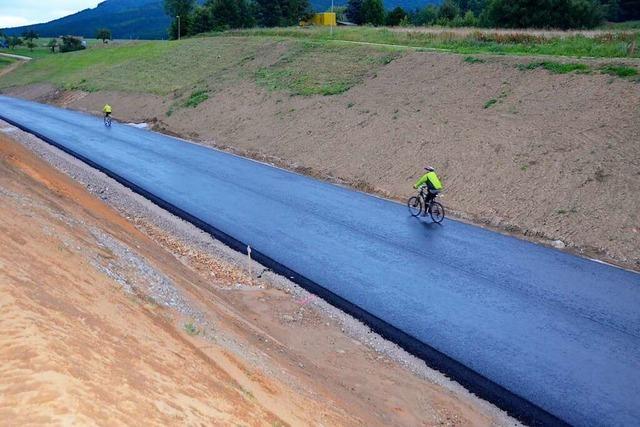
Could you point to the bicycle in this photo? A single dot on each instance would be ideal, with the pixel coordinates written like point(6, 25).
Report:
point(418, 205)
point(107, 120)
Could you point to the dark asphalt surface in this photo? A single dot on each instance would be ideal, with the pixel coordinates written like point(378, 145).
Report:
point(560, 331)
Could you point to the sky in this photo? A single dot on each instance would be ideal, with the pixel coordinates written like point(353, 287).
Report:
point(15, 13)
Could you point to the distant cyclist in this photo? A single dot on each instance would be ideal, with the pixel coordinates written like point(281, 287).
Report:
point(107, 110)
point(431, 181)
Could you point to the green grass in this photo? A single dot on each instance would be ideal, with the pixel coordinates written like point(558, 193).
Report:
point(181, 68)
point(490, 103)
point(473, 60)
point(191, 329)
point(557, 67)
point(613, 44)
point(5, 62)
point(196, 98)
point(321, 69)
point(619, 70)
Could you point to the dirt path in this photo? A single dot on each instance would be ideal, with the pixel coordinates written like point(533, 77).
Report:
point(19, 57)
point(102, 323)
point(10, 68)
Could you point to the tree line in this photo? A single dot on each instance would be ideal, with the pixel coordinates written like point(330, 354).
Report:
point(66, 44)
point(190, 18)
point(561, 14)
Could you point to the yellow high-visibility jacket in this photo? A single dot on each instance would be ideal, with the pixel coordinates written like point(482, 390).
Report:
point(431, 179)
point(106, 109)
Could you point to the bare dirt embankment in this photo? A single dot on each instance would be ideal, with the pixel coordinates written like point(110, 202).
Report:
point(102, 323)
point(541, 155)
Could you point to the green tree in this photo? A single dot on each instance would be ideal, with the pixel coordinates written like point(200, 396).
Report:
point(283, 13)
point(611, 10)
point(476, 6)
point(248, 12)
point(231, 14)
point(354, 12)
point(340, 12)
point(53, 43)
point(180, 12)
point(448, 11)
point(14, 41)
point(373, 12)
point(201, 20)
point(29, 36)
point(70, 44)
point(395, 16)
point(103, 34)
point(426, 15)
point(562, 14)
point(469, 19)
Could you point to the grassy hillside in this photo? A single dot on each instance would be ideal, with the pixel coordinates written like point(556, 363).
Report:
point(207, 64)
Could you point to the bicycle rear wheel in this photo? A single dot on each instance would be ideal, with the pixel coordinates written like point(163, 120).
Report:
point(436, 210)
point(415, 206)
point(107, 121)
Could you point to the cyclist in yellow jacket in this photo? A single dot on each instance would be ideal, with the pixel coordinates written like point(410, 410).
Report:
point(431, 181)
point(107, 110)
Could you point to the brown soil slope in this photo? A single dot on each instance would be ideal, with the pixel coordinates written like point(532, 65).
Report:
point(556, 157)
point(86, 337)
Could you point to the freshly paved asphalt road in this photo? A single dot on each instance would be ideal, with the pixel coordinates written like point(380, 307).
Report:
point(559, 331)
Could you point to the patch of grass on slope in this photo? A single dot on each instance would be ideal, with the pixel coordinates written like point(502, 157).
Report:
point(557, 67)
point(324, 69)
point(196, 98)
point(619, 70)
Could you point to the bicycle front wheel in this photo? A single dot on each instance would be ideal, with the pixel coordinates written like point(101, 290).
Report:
point(415, 206)
point(436, 210)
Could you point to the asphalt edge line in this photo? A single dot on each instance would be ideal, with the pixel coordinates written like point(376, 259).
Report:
point(516, 406)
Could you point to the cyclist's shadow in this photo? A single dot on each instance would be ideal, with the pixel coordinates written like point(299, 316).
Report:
point(426, 223)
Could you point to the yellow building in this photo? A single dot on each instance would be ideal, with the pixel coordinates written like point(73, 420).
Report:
point(326, 19)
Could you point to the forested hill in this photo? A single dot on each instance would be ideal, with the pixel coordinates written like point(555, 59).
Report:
point(127, 19)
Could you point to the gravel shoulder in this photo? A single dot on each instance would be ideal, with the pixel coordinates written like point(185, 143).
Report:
point(122, 283)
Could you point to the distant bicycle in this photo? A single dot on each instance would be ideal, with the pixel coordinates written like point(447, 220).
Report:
point(107, 120)
point(418, 205)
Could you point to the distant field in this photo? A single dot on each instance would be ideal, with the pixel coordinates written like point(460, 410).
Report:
point(599, 44)
point(194, 66)
point(41, 50)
